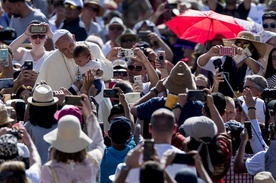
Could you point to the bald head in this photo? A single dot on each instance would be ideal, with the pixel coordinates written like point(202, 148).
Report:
point(162, 121)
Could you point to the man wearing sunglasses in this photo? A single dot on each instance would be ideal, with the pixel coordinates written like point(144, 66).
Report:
point(269, 21)
point(72, 22)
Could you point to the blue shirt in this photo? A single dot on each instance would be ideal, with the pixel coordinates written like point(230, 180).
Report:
point(190, 109)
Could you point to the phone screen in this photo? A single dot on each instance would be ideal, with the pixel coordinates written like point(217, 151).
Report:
point(148, 149)
point(110, 93)
point(6, 83)
point(247, 125)
point(184, 159)
point(196, 95)
point(4, 57)
point(73, 100)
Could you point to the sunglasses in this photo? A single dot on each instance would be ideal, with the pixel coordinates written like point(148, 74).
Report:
point(91, 8)
point(123, 74)
point(125, 40)
point(38, 36)
point(250, 87)
point(70, 6)
point(243, 44)
point(137, 68)
point(116, 28)
point(271, 25)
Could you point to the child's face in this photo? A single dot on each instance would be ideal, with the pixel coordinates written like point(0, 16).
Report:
point(81, 60)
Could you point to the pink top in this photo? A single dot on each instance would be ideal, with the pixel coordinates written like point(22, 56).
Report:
point(84, 172)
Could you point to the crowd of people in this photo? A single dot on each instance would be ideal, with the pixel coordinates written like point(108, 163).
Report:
point(103, 91)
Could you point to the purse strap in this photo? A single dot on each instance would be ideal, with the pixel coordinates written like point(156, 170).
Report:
point(55, 175)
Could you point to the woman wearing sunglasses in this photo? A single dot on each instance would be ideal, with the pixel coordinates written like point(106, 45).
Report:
point(36, 33)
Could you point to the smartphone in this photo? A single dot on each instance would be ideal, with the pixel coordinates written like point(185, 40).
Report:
point(4, 57)
point(42, 29)
point(196, 95)
point(6, 83)
point(144, 36)
point(170, 100)
point(171, 6)
point(161, 58)
point(148, 149)
point(247, 125)
point(128, 53)
point(20, 110)
point(230, 51)
point(184, 159)
point(137, 79)
point(28, 64)
point(73, 100)
point(110, 93)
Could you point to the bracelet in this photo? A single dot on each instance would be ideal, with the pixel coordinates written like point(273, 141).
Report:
point(26, 34)
point(254, 108)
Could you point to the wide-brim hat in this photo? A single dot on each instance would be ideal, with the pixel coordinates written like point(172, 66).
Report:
point(180, 79)
point(96, 2)
point(42, 96)
point(68, 136)
point(116, 21)
point(4, 117)
point(126, 33)
point(266, 35)
point(247, 36)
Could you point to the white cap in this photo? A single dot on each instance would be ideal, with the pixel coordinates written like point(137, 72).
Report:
point(75, 2)
point(58, 33)
point(116, 21)
point(266, 35)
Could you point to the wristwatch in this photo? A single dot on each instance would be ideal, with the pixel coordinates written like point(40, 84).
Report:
point(125, 167)
point(154, 91)
point(177, 105)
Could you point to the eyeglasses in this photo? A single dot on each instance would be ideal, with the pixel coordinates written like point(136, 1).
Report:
point(125, 40)
point(123, 74)
point(70, 6)
point(243, 44)
point(38, 36)
point(271, 25)
point(137, 68)
point(116, 28)
point(91, 8)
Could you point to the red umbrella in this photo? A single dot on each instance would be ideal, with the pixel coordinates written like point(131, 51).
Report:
point(201, 26)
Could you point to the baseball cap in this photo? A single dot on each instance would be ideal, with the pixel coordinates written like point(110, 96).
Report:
point(78, 3)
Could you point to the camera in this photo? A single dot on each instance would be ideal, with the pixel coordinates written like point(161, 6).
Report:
point(42, 29)
point(8, 34)
point(218, 64)
point(269, 94)
point(15, 133)
point(128, 53)
point(161, 58)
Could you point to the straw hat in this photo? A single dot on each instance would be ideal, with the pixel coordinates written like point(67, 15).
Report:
point(127, 32)
point(4, 117)
point(180, 79)
point(96, 2)
point(68, 136)
point(42, 96)
point(247, 36)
